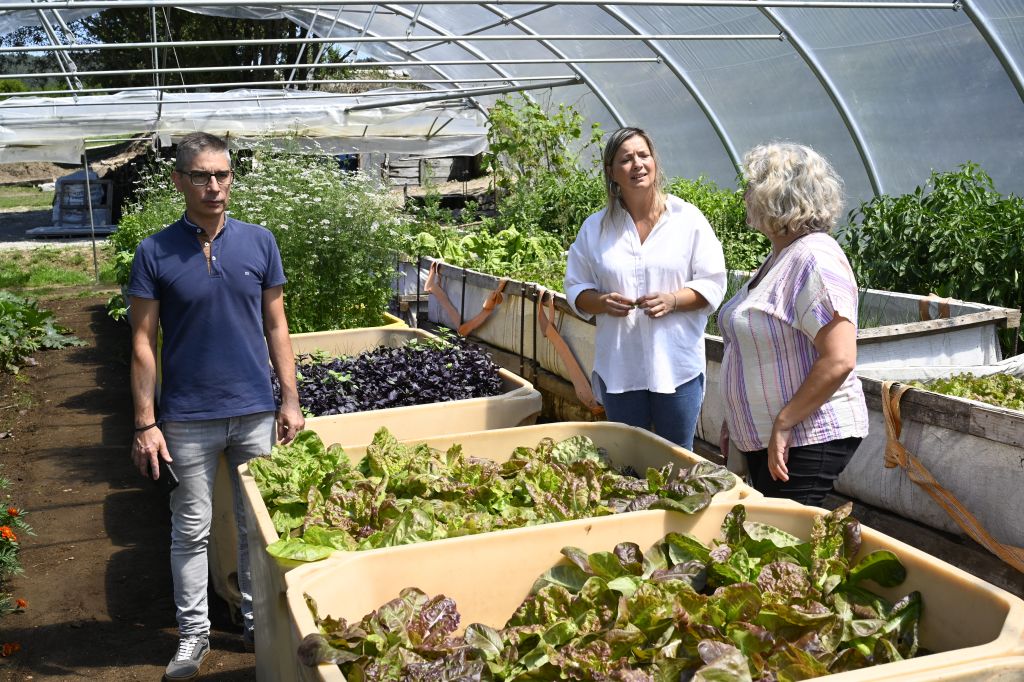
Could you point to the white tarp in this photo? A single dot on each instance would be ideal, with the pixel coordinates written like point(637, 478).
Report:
point(52, 129)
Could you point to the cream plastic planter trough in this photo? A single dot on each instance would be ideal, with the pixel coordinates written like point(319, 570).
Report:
point(965, 622)
point(624, 445)
point(900, 339)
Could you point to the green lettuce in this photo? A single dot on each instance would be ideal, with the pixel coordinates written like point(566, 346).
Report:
point(401, 494)
point(760, 604)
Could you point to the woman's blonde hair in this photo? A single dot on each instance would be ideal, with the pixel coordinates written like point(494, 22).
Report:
point(791, 189)
point(615, 140)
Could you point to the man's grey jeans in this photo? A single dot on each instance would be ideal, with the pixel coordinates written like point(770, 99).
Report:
point(195, 447)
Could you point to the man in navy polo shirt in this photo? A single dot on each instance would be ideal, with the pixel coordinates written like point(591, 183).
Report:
point(213, 285)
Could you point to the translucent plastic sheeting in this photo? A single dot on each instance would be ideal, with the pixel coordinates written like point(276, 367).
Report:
point(33, 124)
point(888, 94)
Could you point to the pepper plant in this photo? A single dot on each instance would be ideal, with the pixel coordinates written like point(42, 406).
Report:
point(955, 236)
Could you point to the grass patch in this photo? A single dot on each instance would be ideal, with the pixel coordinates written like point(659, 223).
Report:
point(53, 267)
point(25, 197)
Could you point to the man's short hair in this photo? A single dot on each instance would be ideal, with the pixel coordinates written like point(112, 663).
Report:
point(194, 144)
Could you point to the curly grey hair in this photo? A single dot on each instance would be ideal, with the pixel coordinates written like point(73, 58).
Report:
point(791, 189)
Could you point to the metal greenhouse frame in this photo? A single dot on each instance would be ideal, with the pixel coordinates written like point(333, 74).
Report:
point(888, 90)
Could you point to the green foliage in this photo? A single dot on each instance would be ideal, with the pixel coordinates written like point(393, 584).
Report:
point(24, 329)
point(50, 266)
point(535, 158)
point(1002, 390)
point(24, 197)
point(544, 195)
point(956, 236)
point(744, 246)
point(12, 85)
point(338, 233)
point(401, 494)
point(743, 608)
point(126, 25)
point(529, 255)
point(156, 206)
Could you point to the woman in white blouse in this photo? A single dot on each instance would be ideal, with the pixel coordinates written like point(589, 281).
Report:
point(651, 269)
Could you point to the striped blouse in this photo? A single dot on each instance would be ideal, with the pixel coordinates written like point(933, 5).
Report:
point(769, 346)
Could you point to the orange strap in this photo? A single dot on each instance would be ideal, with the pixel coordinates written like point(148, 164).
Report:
point(494, 299)
point(897, 456)
point(924, 303)
point(580, 382)
point(433, 286)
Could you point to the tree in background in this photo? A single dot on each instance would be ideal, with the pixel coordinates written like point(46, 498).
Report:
point(134, 25)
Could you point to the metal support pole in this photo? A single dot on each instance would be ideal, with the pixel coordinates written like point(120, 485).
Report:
point(508, 80)
point(462, 304)
point(996, 44)
point(92, 221)
point(471, 38)
point(419, 99)
point(952, 5)
point(353, 65)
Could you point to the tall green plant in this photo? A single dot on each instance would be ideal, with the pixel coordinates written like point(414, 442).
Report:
point(956, 236)
point(536, 160)
point(744, 246)
point(338, 233)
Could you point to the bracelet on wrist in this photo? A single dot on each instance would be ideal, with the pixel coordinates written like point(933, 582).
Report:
point(147, 427)
point(675, 302)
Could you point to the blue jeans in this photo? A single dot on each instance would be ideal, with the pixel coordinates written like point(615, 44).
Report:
point(813, 469)
point(195, 448)
point(673, 416)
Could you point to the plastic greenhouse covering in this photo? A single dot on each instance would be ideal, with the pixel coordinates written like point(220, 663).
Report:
point(889, 91)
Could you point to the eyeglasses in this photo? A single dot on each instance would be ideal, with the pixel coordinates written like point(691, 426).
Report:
point(202, 178)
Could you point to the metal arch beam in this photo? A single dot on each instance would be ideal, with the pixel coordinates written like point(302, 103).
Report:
point(996, 44)
point(487, 27)
point(594, 88)
point(440, 31)
point(680, 73)
point(833, 94)
point(67, 66)
point(401, 11)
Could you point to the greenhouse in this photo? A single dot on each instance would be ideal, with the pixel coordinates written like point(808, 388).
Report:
point(460, 480)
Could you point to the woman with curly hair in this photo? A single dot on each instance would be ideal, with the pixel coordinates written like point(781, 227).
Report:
point(794, 407)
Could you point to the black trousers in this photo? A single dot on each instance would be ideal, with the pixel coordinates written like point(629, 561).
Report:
point(813, 469)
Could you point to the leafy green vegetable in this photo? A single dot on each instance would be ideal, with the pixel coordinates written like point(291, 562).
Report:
point(1003, 390)
point(25, 328)
point(400, 494)
point(626, 615)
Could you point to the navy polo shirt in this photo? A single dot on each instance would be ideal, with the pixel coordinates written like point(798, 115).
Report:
point(214, 361)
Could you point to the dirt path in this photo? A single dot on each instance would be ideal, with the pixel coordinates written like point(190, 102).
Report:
point(97, 577)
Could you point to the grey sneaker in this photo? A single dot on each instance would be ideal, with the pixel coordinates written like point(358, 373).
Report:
point(188, 660)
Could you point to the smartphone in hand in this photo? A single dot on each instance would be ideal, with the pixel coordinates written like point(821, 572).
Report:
point(168, 481)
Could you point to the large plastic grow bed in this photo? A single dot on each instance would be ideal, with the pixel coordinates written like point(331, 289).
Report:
point(624, 444)
point(966, 622)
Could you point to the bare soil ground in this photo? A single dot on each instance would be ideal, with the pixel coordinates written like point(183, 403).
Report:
point(96, 574)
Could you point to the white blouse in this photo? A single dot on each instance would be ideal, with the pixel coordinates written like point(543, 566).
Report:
point(638, 352)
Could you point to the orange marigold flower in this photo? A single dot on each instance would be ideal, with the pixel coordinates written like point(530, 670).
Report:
point(12, 511)
point(9, 648)
point(7, 534)
point(21, 603)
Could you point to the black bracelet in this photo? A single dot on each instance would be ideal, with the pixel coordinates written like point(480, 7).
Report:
point(147, 427)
